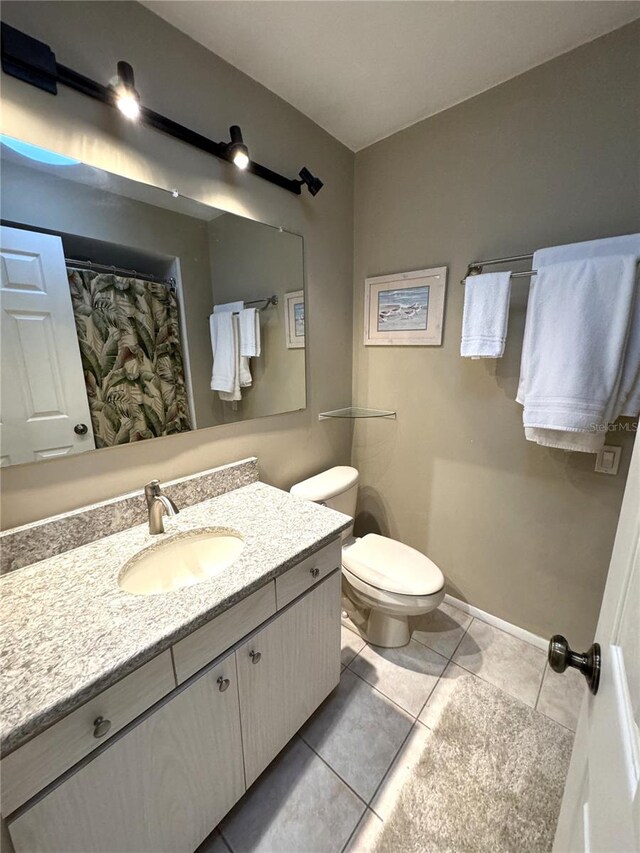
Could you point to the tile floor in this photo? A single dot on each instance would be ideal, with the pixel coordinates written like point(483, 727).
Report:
point(330, 789)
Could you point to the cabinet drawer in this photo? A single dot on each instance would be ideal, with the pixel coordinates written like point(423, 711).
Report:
point(214, 638)
point(300, 578)
point(42, 759)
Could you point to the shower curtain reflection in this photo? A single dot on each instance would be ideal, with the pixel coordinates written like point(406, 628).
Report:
point(129, 337)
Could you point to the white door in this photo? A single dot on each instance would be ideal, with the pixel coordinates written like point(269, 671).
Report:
point(42, 388)
point(601, 806)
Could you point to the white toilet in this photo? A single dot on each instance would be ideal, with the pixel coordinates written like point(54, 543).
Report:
point(384, 581)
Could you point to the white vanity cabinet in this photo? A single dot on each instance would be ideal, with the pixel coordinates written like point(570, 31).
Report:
point(285, 670)
point(162, 786)
point(167, 780)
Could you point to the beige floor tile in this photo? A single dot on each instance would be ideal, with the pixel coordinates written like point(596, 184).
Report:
point(561, 696)
point(298, 804)
point(442, 693)
point(406, 675)
point(385, 800)
point(441, 629)
point(351, 644)
point(366, 835)
point(358, 733)
point(503, 660)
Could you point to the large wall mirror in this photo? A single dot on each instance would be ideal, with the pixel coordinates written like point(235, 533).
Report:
point(129, 312)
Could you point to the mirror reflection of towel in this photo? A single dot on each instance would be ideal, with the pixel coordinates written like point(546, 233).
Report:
point(250, 332)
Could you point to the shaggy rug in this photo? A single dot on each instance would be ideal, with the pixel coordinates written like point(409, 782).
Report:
point(490, 779)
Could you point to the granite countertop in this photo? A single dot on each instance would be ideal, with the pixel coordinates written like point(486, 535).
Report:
point(69, 631)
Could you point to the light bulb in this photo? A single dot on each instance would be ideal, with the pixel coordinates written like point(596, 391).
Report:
point(241, 159)
point(128, 106)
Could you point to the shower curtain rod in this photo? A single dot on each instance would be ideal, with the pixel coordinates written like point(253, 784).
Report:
point(112, 269)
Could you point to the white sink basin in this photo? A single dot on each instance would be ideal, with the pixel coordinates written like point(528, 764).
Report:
point(182, 561)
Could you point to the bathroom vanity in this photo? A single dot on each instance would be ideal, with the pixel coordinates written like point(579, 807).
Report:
point(135, 722)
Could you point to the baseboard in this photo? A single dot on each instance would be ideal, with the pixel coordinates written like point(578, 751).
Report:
point(507, 627)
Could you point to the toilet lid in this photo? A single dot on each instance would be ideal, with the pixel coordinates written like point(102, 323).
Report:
point(389, 565)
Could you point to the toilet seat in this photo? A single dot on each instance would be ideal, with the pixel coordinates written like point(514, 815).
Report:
point(392, 567)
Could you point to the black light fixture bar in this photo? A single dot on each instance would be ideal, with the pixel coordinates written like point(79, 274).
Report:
point(33, 62)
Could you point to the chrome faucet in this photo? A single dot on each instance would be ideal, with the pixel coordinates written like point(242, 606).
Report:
point(158, 505)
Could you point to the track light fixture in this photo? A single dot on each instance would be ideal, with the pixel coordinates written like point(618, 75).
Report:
point(34, 62)
point(124, 91)
point(314, 185)
point(237, 150)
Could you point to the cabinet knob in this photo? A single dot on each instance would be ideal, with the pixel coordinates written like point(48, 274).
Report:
point(101, 726)
point(255, 656)
point(314, 572)
point(223, 683)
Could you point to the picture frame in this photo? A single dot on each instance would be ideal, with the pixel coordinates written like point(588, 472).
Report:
point(405, 309)
point(294, 319)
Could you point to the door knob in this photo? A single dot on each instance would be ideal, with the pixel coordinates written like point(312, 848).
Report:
point(81, 429)
point(561, 656)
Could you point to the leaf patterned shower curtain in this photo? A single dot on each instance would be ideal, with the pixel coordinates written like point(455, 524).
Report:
point(129, 338)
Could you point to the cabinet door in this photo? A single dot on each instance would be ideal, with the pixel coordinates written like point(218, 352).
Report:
point(163, 786)
point(285, 671)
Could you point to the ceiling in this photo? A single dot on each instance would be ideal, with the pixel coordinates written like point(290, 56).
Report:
point(364, 69)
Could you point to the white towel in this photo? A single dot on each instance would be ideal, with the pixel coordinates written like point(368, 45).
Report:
point(250, 332)
point(228, 306)
point(486, 315)
point(627, 244)
point(224, 349)
point(232, 394)
point(575, 348)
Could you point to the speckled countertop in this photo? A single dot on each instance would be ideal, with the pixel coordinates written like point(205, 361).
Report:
point(69, 631)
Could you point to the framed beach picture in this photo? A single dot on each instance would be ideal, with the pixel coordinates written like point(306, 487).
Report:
point(294, 319)
point(405, 309)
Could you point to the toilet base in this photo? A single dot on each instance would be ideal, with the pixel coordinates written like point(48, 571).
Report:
point(387, 631)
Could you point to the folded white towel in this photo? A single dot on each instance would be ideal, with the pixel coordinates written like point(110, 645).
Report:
point(627, 244)
point(250, 332)
point(224, 349)
point(577, 331)
point(232, 394)
point(486, 315)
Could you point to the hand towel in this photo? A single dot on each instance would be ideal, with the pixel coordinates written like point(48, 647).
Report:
point(224, 346)
point(250, 332)
point(576, 337)
point(486, 315)
point(232, 394)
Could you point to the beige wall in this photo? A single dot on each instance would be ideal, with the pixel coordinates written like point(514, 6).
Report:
point(552, 156)
point(180, 78)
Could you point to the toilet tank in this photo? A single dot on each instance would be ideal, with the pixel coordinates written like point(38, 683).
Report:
point(336, 488)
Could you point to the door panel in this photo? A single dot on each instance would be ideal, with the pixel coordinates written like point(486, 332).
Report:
point(299, 665)
point(601, 805)
point(43, 390)
point(161, 788)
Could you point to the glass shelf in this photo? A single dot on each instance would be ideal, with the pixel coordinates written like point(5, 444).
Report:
point(356, 412)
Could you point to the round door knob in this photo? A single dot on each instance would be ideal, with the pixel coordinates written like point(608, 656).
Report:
point(255, 656)
point(81, 429)
point(562, 656)
point(223, 683)
point(101, 726)
point(314, 572)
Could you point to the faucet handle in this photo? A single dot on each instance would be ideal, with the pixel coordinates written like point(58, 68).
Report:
point(151, 491)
